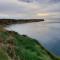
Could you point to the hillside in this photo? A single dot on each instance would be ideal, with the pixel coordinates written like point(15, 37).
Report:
point(21, 47)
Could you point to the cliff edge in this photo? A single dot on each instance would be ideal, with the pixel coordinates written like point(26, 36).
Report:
point(14, 46)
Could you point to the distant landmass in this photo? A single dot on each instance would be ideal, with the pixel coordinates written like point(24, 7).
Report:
point(21, 47)
point(19, 21)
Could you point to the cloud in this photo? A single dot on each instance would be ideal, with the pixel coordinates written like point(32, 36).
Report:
point(28, 1)
point(28, 8)
point(31, 1)
point(54, 1)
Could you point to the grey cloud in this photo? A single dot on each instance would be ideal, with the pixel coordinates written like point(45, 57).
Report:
point(54, 1)
point(53, 7)
point(28, 1)
point(12, 9)
point(56, 10)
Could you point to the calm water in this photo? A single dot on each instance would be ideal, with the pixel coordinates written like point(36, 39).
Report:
point(47, 33)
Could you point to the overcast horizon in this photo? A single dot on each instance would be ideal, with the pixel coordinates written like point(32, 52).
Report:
point(29, 9)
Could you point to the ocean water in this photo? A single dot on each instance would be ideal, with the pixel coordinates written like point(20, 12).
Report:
point(47, 33)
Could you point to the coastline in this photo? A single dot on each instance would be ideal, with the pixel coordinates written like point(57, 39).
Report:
point(27, 44)
point(18, 21)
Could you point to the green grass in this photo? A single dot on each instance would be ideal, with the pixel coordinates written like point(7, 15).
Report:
point(25, 48)
point(3, 55)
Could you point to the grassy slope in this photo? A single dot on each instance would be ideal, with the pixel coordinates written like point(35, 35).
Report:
point(3, 55)
point(21, 47)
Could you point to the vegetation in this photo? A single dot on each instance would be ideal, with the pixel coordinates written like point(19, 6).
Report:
point(21, 47)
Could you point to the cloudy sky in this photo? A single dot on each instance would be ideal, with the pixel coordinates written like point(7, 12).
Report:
point(29, 8)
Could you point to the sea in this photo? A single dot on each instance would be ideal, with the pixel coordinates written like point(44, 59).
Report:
point(46, 33)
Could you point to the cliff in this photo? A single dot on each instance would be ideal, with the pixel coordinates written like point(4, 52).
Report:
point(21, 47)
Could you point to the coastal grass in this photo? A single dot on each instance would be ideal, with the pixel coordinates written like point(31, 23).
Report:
point(22, 47)
point(3, 55)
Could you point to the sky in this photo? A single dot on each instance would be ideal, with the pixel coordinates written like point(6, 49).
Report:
point(29, 9)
